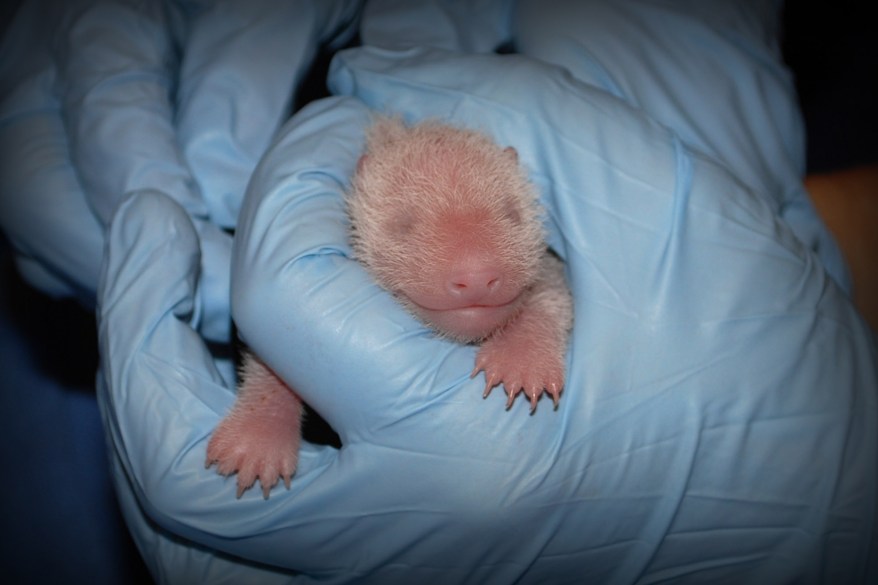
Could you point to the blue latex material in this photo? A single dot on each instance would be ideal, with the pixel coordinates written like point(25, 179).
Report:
point(104, 99)
point(719, 422)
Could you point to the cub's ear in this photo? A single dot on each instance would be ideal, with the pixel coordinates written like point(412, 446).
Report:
point(362, 162)
point(510, 151)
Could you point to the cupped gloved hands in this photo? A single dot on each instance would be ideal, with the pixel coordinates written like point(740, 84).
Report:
point(716, 424)
point(105, 99)
point(162, 396)
point(697, 402)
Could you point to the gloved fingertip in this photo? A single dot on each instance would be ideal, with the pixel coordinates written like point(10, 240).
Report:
point(151, 240)
point(143, 216)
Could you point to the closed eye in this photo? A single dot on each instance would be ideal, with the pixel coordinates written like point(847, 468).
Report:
point(402, 224)
point(512, 214)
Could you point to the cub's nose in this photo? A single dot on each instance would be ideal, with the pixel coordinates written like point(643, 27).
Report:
point(473, 284)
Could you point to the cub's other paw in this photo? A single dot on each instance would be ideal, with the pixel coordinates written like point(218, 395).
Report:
point(257, 441)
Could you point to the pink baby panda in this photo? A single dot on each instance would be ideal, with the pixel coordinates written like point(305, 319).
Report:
point(447, 221)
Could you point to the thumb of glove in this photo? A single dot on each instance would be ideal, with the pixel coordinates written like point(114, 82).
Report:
point(160, 386)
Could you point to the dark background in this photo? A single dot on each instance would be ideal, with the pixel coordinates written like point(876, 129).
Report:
point(832, 49)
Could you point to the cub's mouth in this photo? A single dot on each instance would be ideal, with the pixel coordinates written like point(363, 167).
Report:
point(469, 323)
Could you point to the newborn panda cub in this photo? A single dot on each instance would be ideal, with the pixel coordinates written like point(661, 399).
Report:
point(447, 221)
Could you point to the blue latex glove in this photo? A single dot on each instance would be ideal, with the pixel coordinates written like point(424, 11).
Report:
point(719, 420)
point(105, 99)
point(43, 212)
point(469, 26)
point(709, 69)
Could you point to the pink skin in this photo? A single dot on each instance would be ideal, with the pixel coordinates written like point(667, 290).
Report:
point(469, 297)
point(260, 436)
point(447, 221)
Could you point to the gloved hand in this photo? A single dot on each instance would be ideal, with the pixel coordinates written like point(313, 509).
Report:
point(718, 422)
point(467, 26)
point(712, 71)
point(105, 99)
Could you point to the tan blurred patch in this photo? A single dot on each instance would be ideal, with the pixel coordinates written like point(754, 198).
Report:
point(848, 202)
